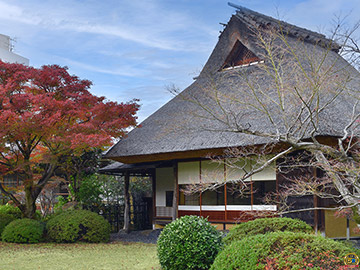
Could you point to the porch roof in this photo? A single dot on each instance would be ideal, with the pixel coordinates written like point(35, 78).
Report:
point(138, 169)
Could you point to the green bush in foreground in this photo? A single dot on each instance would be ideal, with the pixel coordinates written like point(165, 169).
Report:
point(23, 231)
point(78, 225)
point(266, 225)
point(5, 219)
point(283, 250)
point(189, 242)
point(10, 210)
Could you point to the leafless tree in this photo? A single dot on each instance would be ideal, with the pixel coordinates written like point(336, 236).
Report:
point(300, 106)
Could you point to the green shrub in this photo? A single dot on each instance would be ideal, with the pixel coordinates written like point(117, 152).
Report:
point(16, 212)
point(10, 210)
point(5, 219)
point(90, 191)
point(283, 250)
point(38, 215)
point(78, 225)
point(189, 242)
point(23, 231)
point(48, 217)
point(265, 225)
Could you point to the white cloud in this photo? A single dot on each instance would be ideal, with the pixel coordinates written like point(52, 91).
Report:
point(118, 71)
point(149, 25)
point(15, 13)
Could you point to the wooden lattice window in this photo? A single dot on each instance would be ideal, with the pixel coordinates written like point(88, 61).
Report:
point(239, 55)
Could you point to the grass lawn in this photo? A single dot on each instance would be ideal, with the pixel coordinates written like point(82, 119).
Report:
point(116, 255)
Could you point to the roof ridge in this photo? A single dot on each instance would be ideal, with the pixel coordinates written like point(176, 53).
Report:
point(256, 19)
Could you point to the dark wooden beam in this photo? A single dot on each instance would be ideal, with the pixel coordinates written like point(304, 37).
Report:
point(176, 192)
point(225, 194)
point(127, 203)
point(316, 212)
point(200, 195)
point(153, 179)
point(189, 154)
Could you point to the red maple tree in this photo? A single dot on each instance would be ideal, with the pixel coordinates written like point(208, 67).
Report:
point(46, 114)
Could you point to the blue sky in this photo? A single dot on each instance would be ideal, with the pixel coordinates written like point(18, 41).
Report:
point(134, 49)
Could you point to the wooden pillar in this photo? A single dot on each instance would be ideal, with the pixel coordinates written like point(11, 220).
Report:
point(316, 213)
point(278, 178)
point(127, 203)
point(176, 193)
point(225, 194)
point(200, 194)
point(251, 194)
point(153, 179)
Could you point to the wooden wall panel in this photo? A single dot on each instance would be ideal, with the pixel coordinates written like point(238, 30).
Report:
point(214, 215)
point(182, 213)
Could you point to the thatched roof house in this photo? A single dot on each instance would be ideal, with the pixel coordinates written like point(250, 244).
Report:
point(207, 117)
point(176, 131)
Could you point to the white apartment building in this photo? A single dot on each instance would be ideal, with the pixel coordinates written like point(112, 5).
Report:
point(6, 53)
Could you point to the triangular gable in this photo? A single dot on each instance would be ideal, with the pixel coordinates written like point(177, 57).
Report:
point(239, 55)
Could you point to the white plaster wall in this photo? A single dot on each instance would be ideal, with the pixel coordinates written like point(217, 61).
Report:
point(268, 174)
point(241, 166)
point(188, 172)
point(235, 169)
point(212, 172)
point(164, 182)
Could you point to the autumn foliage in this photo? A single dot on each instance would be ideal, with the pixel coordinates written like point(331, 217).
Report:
point(46, 114)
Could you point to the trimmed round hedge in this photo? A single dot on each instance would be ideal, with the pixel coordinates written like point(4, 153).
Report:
point(23, 231)
point(5, 219)
point(283, 250)
point(266, 225)
point(78, 225)
point(189, 242)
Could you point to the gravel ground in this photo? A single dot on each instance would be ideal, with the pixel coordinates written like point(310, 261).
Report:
point(147, 236)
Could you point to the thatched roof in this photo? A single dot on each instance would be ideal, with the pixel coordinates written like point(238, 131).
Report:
point(202, 117)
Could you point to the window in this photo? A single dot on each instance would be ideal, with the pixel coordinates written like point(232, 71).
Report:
point(261, 188)
point(213, 197)
point(169, 198)
point(192, 199)
point(239, 55)
point(238, 194)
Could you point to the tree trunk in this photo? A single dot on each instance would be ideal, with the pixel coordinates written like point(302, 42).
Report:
point(336, 179)
point(29, 208)
point(340, 185)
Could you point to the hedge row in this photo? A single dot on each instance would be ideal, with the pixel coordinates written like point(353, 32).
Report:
point(266, 225)
point(268, 243)
point(283, 250)
point(66, 227)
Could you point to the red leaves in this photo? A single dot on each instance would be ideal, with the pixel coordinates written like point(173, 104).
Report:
point(50, 108)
